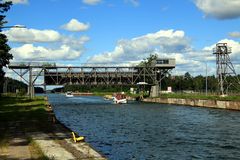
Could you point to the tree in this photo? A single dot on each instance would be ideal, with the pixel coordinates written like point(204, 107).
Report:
point(5, 56)
point(148, 61)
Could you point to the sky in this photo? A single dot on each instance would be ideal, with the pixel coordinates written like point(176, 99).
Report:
point(124, 31)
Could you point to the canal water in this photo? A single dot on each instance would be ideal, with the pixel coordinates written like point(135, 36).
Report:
point(151, 131)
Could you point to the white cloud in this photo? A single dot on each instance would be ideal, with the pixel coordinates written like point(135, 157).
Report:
point(163, 41)
point(135, 3)
point(31, 52)
point(234, 34)
point(91, 2)
point(74, 42)
point(18, 1)
point(64, 47)
point(75, 26)
point(25, 35)
point(167, 44)
point(220, 9)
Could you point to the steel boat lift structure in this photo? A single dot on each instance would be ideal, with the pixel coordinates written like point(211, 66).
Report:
point(92, 74)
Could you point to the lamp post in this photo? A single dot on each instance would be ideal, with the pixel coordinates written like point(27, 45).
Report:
point(206, 90)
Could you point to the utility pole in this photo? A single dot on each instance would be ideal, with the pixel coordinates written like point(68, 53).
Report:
point(206, 91)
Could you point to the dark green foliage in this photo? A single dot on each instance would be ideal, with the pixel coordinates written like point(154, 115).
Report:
point(11, 85)
point(198, 83)
point(39, 90)
point(57, 90)
point(100, 88)
point(201, 96)
point(188, 82)
point(148, 61)
point(5, 56)
point(4, 6)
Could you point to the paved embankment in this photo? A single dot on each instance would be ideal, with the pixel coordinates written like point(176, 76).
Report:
point(60, 146)
point(233, 105)
point(30, 130)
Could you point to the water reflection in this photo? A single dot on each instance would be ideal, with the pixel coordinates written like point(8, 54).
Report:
point(151, 131)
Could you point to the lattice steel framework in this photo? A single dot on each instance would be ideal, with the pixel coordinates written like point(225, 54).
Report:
point(224, 67)
point(90, 75)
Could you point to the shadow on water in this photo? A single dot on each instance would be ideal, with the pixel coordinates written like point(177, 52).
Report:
point(151, 131)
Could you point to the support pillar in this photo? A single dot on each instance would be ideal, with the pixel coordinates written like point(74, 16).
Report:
point(154, 91)
point(44, 82)
point(30, 84)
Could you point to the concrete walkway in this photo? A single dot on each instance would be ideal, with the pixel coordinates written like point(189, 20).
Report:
point(18, 149)
point(51, 148)
point(60, 147)
point(57, 146)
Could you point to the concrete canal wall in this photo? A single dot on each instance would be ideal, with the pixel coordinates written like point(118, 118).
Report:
point(233, 105)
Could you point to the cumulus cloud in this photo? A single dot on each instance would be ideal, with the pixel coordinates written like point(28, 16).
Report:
point(91, 2)
point(167, 44)
point(75, 26)
point(31, 52)
point(220, 9)
point(62, 47)
point(163, 41)
point(234, 34)
point(18, 1)
point(25, 35)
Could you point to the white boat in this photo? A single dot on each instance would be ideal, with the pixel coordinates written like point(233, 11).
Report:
point(69, 94)
point(120, 99)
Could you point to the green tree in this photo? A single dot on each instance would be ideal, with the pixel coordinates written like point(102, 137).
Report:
point(187, 81)
point(5, 56)
point(148, 61)
point(198, 83)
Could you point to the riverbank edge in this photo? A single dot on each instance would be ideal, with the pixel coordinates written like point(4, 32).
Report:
point(68, 130)
point(220, 104)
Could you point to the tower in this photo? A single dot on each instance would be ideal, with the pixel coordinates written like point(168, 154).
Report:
point(224, 66)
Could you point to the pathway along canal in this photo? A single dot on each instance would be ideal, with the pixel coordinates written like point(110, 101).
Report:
point(151, 131)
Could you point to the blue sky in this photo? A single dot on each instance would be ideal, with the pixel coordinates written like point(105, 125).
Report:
point(126, 31)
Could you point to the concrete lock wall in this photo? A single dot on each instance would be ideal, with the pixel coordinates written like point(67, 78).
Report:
point(234, 105)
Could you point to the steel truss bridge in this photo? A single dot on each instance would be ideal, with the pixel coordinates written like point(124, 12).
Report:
point(89, 74)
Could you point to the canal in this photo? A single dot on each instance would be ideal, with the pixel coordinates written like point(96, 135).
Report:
point(151, 131)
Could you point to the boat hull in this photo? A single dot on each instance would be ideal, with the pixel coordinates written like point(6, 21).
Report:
point(119, 101)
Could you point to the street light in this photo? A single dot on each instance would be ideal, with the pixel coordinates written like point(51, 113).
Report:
point(206, 90)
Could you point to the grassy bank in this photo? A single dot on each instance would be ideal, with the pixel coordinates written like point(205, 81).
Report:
point(20, 116)
point(200, 96)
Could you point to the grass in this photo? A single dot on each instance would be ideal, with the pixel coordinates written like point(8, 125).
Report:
point(23, 109)
point(200, 96)
point(23, 115)
point(102, 93)
point(36, 152)
point(179, 95)
point(111, 93)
